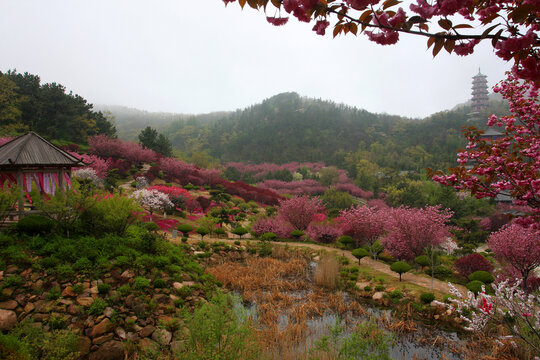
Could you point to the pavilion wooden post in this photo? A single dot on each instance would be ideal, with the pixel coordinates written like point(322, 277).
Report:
point(61, 179)
point(21, 193)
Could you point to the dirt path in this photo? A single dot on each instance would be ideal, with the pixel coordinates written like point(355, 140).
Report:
point(381, 267)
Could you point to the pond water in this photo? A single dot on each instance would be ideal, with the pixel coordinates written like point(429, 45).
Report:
point(424, 343)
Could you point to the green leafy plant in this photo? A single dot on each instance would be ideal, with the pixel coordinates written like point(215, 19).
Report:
point(97, 307)
point(427, 297)
point(240, 231)
point(360, 253)
point(203, 231)
point(185, 229)
point(482, 276)
point(475, 286)
point(104, 289)
point(400, 267)
point(141, 284)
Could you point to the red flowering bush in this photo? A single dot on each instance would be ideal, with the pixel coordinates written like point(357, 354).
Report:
point(323, 233)
point(468, 264)
point(300, 211)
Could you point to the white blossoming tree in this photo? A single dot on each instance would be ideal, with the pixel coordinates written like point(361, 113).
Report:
point(153, 200)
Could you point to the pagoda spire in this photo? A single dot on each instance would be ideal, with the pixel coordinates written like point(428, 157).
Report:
point(479, 92)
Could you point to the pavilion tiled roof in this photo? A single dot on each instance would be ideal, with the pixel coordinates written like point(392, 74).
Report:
point(31, 150)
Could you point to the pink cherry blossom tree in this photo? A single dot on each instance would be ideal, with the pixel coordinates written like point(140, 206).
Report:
point(411, 230)
point(323, 233)
point(519, 246)
point(300, 211)
point(275, 224)
point(365, 225)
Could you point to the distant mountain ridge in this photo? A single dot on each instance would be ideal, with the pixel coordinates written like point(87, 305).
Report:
point(288, 127)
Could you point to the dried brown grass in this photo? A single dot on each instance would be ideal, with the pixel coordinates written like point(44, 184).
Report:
point(327, 272)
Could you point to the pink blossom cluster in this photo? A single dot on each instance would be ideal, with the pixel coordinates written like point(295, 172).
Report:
point(260, 171)
point(300, 211)
point(364, 224)
point(449, 246)
point(518, 246)
point(98, 164)
point(411, 230)
point(276, 224)
point(309, 187)
point(106, 147)
point(323, 233)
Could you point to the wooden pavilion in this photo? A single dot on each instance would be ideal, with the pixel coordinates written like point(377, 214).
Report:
point(30, 159)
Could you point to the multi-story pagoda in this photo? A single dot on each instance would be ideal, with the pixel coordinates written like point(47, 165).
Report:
point(479, 92)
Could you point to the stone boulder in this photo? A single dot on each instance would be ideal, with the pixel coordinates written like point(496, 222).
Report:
point(112, 350)
point(8, 320)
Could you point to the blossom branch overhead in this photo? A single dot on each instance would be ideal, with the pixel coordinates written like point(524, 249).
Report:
point(455, 25)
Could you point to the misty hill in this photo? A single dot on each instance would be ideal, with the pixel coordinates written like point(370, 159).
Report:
point(129, 121)
point(288, 127)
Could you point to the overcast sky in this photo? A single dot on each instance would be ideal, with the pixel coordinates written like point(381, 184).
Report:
point(198, 56)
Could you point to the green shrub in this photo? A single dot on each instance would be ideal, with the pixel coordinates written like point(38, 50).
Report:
point(297, 234)
point(148, 243)
point(446, 298)
point(57, 323)
point(422, 260)
point(185, 229)
point(54, 293)
point(110, 215)
point(442, 272)
point(35, 225)
point(368, 288)
point(360, 253)
point(49, 262)
point(427, 297)
point(12, 281)
point(396, 294)
point(202, 231)
point(83, 265)
point(151, 226)
point(179, 303)
point(77, 289)
point(97, 307)
point(140, 284)
point(345, 240)
point(240, 231)
point(159, 283)
point(65, 272)
point(269, 236)
point(237, 242)
point(482, 276)
point(122, 261)
point(184, 239)
point(124, 290)
point(161, 262)
point(184, 292)
point(206, 326)
point(103, 288)
point(17, 255)
point(219, 231)
point(400, 267)
point(379, 288)
point(475, 286)
point(265, 249)
point(144, 262)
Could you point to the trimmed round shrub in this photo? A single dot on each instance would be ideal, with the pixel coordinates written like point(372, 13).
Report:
point(152, 226)
point(475, 286)
point(269, 236)
point(368, 288)
point(380, 288)
point(427, 297)
point(35, 225)
point(400, 267)
point(240, 231)
point(297, 234)
point(202, 231)
point(482, 276)
point(185, 229)
point(442, 272)
point(360, 253)
point(219, 231)
point(422, 260)
point(345, 240)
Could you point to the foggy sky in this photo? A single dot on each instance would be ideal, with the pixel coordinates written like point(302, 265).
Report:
point(198, 56)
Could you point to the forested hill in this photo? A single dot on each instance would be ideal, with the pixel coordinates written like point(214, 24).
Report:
point(288, 127)
point(27, 104)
